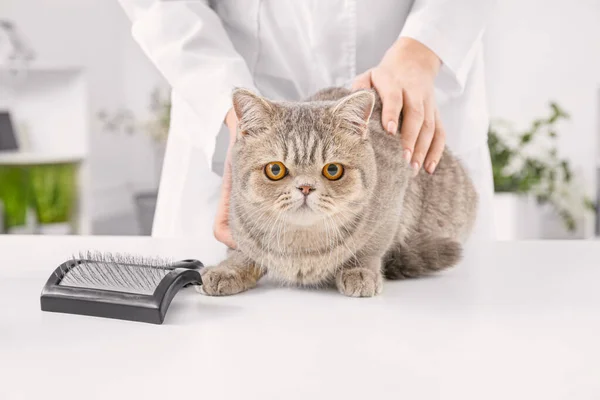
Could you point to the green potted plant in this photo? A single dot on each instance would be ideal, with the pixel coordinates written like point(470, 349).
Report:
point(15, 197)
point(1, 217)
point(38, 198)
point(529, 173)
point(53, 194)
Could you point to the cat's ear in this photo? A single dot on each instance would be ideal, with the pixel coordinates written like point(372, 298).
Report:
point(253, 112)
point(354, 111)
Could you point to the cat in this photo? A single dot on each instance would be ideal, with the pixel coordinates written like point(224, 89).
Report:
point(321, 195)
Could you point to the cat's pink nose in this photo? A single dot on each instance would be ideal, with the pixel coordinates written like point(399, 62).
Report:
point(306, 189)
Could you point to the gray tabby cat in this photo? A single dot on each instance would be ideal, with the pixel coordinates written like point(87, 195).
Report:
point(322, 195)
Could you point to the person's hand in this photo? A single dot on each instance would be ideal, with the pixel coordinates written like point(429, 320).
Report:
point(221, 227)
point(404, 80)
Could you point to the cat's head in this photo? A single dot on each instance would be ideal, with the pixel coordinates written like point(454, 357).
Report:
point(303, 161)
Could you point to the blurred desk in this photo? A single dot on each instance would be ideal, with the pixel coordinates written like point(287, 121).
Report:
point(515, 321)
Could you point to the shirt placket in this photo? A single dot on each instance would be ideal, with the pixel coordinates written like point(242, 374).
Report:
point(348, 69)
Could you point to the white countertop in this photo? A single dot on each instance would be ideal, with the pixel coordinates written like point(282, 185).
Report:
point(514, 321)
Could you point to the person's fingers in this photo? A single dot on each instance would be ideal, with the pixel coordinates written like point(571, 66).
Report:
point(227, 239)
point(413, 114)
point(362, 81)
point(223, 234)
point(221, 229)
point(391, 107)
point(437, 146)
point(425, 137)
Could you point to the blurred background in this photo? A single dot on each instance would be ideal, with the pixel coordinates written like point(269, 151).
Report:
point(84, 119)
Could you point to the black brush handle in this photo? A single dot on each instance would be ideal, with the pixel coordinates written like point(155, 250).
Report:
point(171, 285)
point(189, 264)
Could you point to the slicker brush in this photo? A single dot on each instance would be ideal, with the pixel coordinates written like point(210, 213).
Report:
point(120, 286)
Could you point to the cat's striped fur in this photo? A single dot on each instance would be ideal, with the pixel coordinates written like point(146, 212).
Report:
point(377, 220)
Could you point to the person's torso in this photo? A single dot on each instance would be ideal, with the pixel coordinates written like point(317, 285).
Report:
point(295, 48)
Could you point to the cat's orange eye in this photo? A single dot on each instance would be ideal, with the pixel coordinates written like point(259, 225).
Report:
point(275, 170)
point(333, 171)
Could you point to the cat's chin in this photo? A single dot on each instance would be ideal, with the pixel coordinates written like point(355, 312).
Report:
point(304, 217)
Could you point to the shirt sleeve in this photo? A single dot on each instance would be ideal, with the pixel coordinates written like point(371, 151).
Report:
point(188, 44)
point(453, 30)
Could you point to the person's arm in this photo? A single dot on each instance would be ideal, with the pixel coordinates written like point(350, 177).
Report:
point(452, 29)
point(186, 41)
point(437, 45)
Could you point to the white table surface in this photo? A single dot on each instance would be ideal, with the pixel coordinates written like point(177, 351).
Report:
point(514, 321)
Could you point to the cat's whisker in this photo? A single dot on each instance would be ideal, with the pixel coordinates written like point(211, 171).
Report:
point(269, 237)
point(272, 238)
point(284, 231)
point(360, 213)
point(327, 238)
point(332, 242)
point(248, 215)
point(256, 229)
point(259, 223)
point(352, 252)
point(325, 222)
point(252, 223)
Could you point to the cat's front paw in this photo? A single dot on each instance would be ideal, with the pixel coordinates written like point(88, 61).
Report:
point(222, 281)
point(359, 282)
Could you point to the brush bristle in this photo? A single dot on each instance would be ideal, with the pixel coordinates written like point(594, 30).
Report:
point(115, 271)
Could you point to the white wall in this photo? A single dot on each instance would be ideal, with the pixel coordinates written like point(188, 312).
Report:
point(542, 50)
point(140, 79)
point(95, 34)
